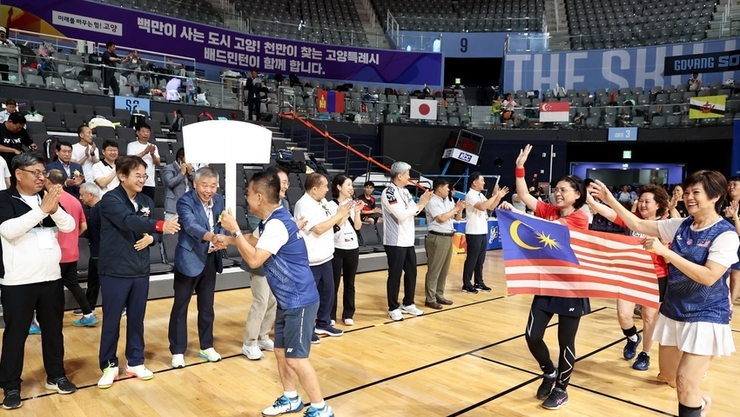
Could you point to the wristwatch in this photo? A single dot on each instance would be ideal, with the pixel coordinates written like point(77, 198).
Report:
point(236, 234)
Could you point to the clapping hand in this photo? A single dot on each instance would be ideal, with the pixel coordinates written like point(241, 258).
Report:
point(359, 205)
point(50, 202)
point(460, 205)
point(144, 242)
point(171, 226)
point(731, 210)
point(501, 192)
point(424, 199)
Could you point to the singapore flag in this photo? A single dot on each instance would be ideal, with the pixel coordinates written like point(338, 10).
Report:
point(554, 111)
point(423, 109)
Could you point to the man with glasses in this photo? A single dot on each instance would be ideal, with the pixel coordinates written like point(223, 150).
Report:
point(29, 221)
point(13, 137)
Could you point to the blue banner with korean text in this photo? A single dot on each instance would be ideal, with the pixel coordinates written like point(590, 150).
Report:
point(97, 22)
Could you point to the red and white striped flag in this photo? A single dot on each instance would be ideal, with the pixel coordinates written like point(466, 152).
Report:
point(545, 258)
point(555, 111)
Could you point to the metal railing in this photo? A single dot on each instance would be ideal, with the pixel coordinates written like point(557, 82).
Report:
point(370, 12)
point(393, 30)
point(309, 33)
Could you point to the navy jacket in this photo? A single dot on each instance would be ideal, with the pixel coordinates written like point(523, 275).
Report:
point(120, 228)
point(192, 250)
point(93, 231)
point(74, 190)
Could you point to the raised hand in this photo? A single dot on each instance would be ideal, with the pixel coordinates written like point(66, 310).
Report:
point(171, 226)
point(460, 205)
point(731, 210)
point(523, 155)
point(228, 221)
point(50, 202)
point(502, 192)
point(602, 192)
point(359, 205)
point(424, 199)
point(144, 242)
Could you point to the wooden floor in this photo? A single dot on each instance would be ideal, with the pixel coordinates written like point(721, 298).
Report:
point(467, 360)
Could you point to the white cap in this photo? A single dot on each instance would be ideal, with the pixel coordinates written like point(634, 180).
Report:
point(2, 29)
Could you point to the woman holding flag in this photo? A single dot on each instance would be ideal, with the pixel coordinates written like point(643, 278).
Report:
point(693, 323)
point(652, 204)
point(570, 196)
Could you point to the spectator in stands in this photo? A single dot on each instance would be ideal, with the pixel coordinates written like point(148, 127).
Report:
point(69, 244)
point(104, 172)
point(10, 107)
point(252, 90)
point(261, 315)
point(439, 213)
point(32, 281)
point(71, 171)
point(282, 251)
point(476, 231)
point(126, 229)
point(496, 111)
point(694, 83)
point(5, 42)
point(109, 69)
point(133, 63)
point(4, 175)
point(371, 213)
point(437, 44)
point(197, 260)
point(90, 196)
point(625, 196)
point(14, 137)
point(178, 180)
point(399, 210)
point(85, 152)
point(507, 108)
point(319, 232)
point(148, 152)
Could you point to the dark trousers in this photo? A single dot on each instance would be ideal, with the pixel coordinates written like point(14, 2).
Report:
point(119, 293)
point(204, 286)
point(148, 191)
point(345, 264)
point(69, 278)
point(324, 276)
point(253, 106)
point(476, 255)
point(19, 303)
point(110, 80)
point(93, 282)
point(567, 329)
point(400, 260)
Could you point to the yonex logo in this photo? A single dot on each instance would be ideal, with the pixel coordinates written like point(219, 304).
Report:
point(289, 350)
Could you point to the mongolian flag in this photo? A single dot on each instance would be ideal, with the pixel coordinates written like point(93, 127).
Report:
point(708, 107)
point(330, 101)
point(547, 258)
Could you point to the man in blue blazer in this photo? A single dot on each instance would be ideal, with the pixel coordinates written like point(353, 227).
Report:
point(73, 174)
point(197, 260)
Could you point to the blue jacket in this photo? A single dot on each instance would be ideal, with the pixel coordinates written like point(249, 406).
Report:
point(120, 228)
point(74, 190)
point(192, 250)
point(174, 186)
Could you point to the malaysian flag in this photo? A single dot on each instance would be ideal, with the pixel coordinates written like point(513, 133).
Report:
point(546, 258)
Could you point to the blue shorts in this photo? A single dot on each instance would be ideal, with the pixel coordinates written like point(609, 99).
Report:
point(293, 330)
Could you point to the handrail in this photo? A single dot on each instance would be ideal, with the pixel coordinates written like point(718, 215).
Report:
point(293, 116)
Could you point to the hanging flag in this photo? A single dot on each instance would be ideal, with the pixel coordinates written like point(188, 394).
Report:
point(330, 101)
point(556, 111)
point(708, 107)
point(547, 258)
point(423, 109)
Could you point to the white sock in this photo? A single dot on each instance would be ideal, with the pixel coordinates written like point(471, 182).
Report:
point(647, 353)
point(87, 316)
point(291, 394)
point(633, 338)
point(318, 406)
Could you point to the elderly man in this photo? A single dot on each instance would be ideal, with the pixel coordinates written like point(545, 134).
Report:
point(178, 180)
point(90, 196)
point(13, 137)
point(399, 210)
point(197, 260)
point(319, 231)
point(29, 221)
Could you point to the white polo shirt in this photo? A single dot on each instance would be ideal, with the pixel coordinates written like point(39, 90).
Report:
point(320, 247)
point(102, 170)
point(346, 237)
point(137, 147)
point(78, 153)
point(477, 220)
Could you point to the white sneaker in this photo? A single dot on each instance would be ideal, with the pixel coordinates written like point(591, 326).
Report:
point(110, 374)
point(139, 371)
point(395, 315)
point(349, 322)
point(266, 344)
point(252, 352)
point(178, 361)
point(210, 355)
point(411, 309)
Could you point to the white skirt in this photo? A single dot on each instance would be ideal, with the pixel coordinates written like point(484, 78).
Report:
point(698, 338)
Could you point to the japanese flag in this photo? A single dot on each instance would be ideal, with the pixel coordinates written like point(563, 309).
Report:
point(423, 109)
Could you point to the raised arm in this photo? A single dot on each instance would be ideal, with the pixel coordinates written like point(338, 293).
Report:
point(634, 223)
point(521, 184)
point(598, 208)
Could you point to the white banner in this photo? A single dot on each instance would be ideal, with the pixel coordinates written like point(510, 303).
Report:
point(86, 23)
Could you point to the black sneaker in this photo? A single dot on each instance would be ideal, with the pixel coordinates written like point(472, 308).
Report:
point(12, 399)
point(557, 399)
point(548, 383)
point(62, 385)
point(469, 290)
point(315, 339)
point(642, 363)
point(482, 287)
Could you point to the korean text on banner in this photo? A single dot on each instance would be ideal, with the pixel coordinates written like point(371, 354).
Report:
point(554, 111)
point(708, 107)
point(423, 109)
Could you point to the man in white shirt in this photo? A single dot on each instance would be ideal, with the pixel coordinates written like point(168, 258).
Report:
point(437, 44)
point(439, 212)
point(399, 211)
point(5, 173)
point(319, 231)
point(10, 107)
point(476, 231)
point(104, 172)
point(149, 153)
point(85, 153)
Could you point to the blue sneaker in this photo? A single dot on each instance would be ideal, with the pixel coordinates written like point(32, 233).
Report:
point(86, 321)
point(34, 329)
point(630, 349)
point(315, 412)
point(642, 363)
point(284, 405)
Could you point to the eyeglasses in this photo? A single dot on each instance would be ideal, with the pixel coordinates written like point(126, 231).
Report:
point(36, 173)
point(143, 177)
point(561, 190)
point(285, 183)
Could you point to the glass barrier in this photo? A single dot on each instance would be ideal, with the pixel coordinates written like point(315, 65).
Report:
point(10, 65)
